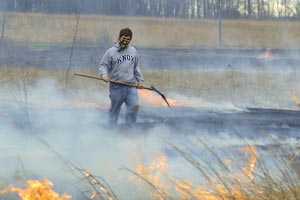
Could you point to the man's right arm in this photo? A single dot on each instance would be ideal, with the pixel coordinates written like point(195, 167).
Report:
point(104, 65)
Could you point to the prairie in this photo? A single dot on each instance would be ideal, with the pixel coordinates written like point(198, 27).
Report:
point(36, 28)
point(72, 132)
point(42, 31)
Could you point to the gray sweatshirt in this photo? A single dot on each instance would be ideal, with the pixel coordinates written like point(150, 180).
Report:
point(121, 65)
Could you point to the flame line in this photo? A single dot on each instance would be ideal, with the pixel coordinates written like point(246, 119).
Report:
point(160, 192)
point(67, 163)
point(152, 88)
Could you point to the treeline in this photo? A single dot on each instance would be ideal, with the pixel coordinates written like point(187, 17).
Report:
point(255, 9)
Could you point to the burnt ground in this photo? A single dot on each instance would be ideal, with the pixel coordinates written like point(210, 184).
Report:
point(58, 56)
point(251, 123)
point(74, 133)
point(78, 133)
point(253, 120)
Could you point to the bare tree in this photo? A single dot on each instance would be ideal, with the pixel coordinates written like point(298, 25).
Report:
point(279, 8)
point(285, 6)
point(199, 8)
point(261, 9)
point(3, 25)
point(220, 8)
point(297, 9)
point(249, 8)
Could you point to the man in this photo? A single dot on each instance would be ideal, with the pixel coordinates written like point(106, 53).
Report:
point(120, 63)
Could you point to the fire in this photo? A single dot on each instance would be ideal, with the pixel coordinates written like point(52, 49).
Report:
point(295, 97)
point(268, 54)
point(176, 188)
point(100, 190)
point(158, 166)
point(153, 172)
point(40, 190)
point(153, 99)
point(146, 96)
point(251, 155)
point(81, 104)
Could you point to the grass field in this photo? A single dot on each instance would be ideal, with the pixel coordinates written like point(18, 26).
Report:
point(40, 29)
point(257, 87)
point(231, 84)
point(244, 88)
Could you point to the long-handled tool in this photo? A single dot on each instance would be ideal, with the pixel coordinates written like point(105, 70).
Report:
point(127, 84)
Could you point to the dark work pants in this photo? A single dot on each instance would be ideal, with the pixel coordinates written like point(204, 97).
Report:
point(120, 94)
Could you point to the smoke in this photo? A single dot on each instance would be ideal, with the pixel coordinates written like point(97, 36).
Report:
point(61, 125)
point(40, 127)
point(48, 124)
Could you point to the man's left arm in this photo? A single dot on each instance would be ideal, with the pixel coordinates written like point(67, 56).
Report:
point(138, 75)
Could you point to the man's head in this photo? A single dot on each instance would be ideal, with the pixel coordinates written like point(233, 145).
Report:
point(125, 32)
point(125, 37)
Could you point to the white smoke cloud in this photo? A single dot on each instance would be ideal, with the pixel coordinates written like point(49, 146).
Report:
point(60, 125)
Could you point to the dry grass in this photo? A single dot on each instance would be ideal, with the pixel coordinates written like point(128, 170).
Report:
point(259, 182)
point(207, 84)
point(152, 32)
point(185, 81)
point(265, 185)
point(10, 75)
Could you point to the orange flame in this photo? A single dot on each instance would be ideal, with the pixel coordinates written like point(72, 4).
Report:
point(36, 190)
point(184, 189)
point(251, 154)
point(295, 97)
point(153, 99)
point(153, 172)
point(268, 54)
point(81, 104)
point(147, 97)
